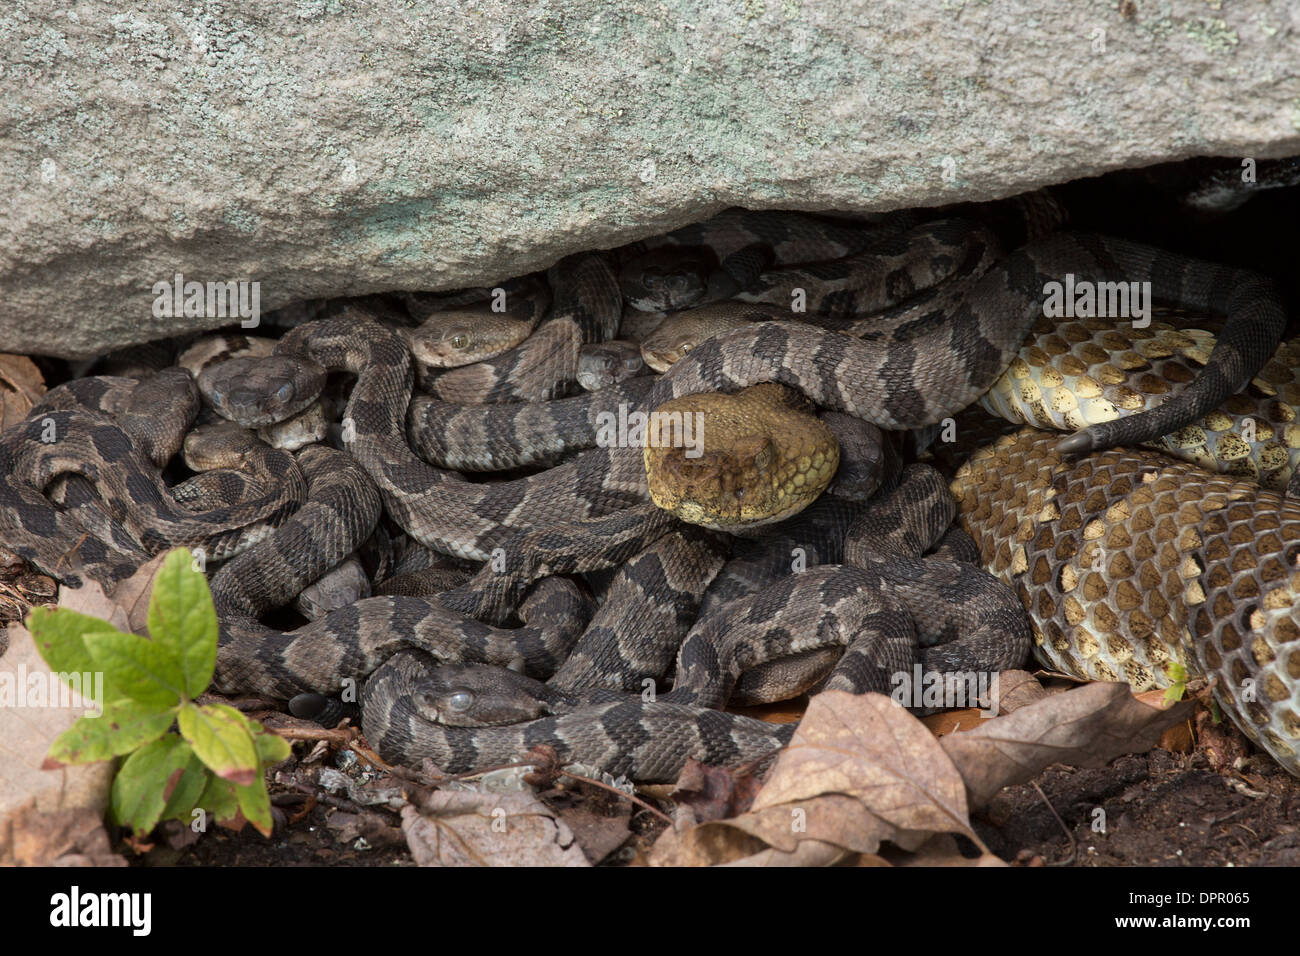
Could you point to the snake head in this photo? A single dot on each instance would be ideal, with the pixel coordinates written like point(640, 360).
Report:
point(446, 348)
point(261, 391)
point(476, 695)
point(464, 336)
point(219, 445)
point(667, 279)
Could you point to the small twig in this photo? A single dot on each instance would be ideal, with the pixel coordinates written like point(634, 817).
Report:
point(574, 776)
point(627, 796)
point(348, 737)
point(485, 770)
point(342, 736)
point(1074, 846)
point(308, 806)
point(414, 776)
point(370, 757)
point(338, 803)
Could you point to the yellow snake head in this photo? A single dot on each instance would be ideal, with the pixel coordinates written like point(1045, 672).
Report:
point(732, 462)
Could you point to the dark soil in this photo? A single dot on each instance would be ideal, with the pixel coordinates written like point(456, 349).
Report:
point(1157, 809)
point(1153, 809)
point(314, 827)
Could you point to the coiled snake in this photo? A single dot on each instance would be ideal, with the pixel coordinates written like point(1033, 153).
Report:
point(928, 354)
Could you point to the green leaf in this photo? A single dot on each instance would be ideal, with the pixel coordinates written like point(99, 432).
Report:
point(123, 726)
point(138, 668)
point(186, 787)
point(256, 805)
point(221, 737)
point(271, 748)
point(182, 619)
point(1177, 675)
point(59, 636)
point(219, 800)
point(146, 779)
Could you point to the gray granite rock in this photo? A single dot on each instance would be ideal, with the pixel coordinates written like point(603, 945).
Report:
point(325, 148)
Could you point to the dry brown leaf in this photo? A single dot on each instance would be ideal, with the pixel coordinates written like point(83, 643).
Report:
point(860, 770)
point(951, 721)
point(805, 853)
point(1179, 738)
point(714, 793)
point(21, 386)
point(71, 837)
point(1015, 689)
point(867, 747)
point(26, 734)
point(598, 835)
point(91, 599)
point(941, 850)
point(30, 792)
point(705, 845)
point(459, 828)
point(132, 595)
point(27, 792)
point(1085, 727)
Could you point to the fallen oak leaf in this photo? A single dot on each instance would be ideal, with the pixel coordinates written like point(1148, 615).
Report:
point(805, 853)
point(132, 595)
point(859, 771)
point(1017, 689)
point(26, 733)
point(73, 836)
point(1085, 727)
point(466, 828)
point(867, 747)
point(940, 850)
point(1014, 689)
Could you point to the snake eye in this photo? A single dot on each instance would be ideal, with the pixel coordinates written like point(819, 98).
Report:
point(460, 701)
point(460, 341)
point(684, 347)
point(632, 364)
point(284, 392)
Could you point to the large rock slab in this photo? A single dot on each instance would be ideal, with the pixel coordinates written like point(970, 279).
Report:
point(325, 148)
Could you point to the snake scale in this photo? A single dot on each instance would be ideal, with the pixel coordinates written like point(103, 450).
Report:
point(1129, 562)
point(948, 312)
